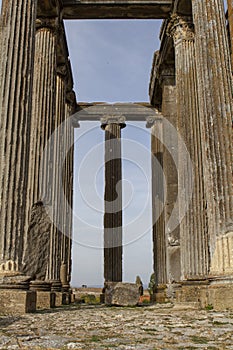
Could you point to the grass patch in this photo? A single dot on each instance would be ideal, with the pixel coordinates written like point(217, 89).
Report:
point(209, 307)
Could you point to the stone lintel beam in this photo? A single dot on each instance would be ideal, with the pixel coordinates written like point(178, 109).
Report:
point(49, 8)
point(102, 9)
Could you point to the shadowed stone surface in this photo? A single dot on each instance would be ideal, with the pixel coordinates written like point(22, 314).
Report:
point(37, 250)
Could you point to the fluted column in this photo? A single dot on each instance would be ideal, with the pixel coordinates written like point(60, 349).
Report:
point(214, 85)
point(42, 127)
point(170, 161)
point(57, 185)
point(16, 68)
point(158, 215)
point(68, 185)
point(230, 20)
point(194, 238)
point(113, 201)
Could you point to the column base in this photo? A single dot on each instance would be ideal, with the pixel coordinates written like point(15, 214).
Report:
point(14, 280)
point(56, 285)
point(160, 294)
point(17, 302)
point(61, 299)
point(214, 294)
point(192, 291)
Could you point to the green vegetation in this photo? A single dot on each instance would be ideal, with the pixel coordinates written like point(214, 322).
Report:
point(152, 284)
point(209, 307)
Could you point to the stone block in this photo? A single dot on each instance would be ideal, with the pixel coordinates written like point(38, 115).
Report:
point(45, 300)
point(61, 298)
point(122, 294)
point(17, 302)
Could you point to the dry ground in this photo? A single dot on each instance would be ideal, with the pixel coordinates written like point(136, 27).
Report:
point(99, 327)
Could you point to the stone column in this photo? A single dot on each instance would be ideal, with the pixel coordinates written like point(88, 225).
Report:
point(68, 183)
point(58, 207)
point(16, 68)
point(159, 240)
point(170, 161)
point(113, 200)
point(214, 85)
point(230, 20)
point(42, 127)
point(194, 239)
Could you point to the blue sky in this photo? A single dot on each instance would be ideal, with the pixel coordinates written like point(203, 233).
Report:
point(111, 61)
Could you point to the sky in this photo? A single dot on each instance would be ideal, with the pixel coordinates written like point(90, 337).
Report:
point(111, 62)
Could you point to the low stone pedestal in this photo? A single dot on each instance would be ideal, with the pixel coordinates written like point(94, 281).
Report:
point(220, 296)
point(216, 294)
point(160, 295)
point(59, 298)
point(45, 300)
point(17, 302)
point(192, 291)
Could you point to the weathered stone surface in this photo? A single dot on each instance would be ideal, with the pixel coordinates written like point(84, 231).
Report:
point(122, 294)
point(45, 300)
point(37, 250)
point(113, 200)
point(97, 328)
point(16, 67)
point(129, 9)
point(16, 302)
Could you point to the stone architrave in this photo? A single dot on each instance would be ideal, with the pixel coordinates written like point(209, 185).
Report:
point(214, 85)
point(113, 200)
point(16, 71)
point(193, 231)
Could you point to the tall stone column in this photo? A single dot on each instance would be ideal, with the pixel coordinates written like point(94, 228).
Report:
point(230, 20)
point(42, 127)
point(113, 200)
point(16, 68)
point(68, 187)
point(170, 161)
point(193, 231)
point(58, 206)
point(214, 85)
point(159, 240)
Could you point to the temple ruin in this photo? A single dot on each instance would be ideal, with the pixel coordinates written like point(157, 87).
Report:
point(190, 87)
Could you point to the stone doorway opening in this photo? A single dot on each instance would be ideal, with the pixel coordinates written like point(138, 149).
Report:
point(114, 80)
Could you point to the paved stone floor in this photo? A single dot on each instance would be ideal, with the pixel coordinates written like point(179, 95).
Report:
point(99, 327)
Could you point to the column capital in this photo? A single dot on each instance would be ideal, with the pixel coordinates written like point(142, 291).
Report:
point(108, 120)
point(181, 28)
point(52, 23)
point(62, 70)
point(151, 121)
